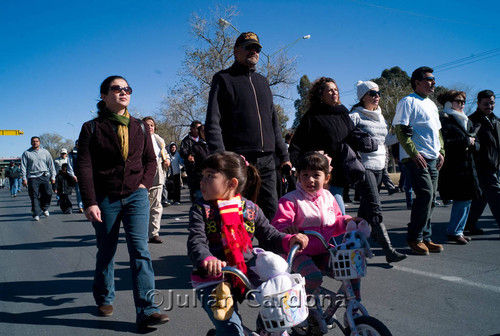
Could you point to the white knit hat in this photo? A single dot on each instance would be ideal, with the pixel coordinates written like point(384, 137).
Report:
point(364, 87)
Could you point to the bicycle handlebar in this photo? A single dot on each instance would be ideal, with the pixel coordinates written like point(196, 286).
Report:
point(319, 236)
point(243, 277)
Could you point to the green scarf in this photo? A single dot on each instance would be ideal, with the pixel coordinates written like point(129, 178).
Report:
point(123, 121)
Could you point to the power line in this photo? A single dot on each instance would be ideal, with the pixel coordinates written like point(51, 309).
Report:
point(495, 51)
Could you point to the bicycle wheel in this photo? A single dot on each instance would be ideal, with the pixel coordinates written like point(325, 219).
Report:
point(369, 326)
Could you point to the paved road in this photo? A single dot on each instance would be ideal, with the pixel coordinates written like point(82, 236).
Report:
point(47, 266)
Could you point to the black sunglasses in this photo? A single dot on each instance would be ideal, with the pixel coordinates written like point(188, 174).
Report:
point(373, 93)
point(118, 89)
point(459, 101)
point(253, 46)
point(430, 78)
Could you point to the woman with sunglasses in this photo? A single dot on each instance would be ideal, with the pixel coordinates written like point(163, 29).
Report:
point(116, 166)
point(458, 179)
point(367, 115)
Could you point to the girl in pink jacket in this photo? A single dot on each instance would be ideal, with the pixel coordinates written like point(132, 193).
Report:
point(310, 207)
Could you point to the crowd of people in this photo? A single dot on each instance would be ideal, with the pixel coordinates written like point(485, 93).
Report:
point(124, 173)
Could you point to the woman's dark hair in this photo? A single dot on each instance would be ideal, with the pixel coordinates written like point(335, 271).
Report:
point(232, 165)
point(150, 118)
point(313, 161)
point(317, 89)
point(449, 96)
point(101, 105)
point(419, 74)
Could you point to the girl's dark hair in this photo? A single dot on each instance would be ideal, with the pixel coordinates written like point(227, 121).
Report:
point(449, 96)
point(150, 118)
point(317, 89)
point(101, 105)
point(232, 165)
point(313, 161)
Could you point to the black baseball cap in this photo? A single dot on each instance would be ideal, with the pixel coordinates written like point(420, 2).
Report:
point(246, 39)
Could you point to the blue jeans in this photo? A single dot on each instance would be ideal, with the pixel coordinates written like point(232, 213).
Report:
point(337, 193)
point(231, 327)
point(404, 181)
point(78, 196)
point(424, 182)
point(14, 185)
point(40, 193)
point(458, 217)
point(133, 212)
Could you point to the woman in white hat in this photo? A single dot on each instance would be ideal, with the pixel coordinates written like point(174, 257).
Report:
point(367, 116)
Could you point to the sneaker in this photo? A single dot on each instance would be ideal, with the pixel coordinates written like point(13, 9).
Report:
point(418, 248)
point(177, 203)
point(81, 210)
point(46, 213)
point(105, 310)
point(467, 238)
point(434, 248)
point(36, 218)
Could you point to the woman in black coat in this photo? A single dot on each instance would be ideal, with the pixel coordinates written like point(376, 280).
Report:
point(458, 177)
point(326, 126)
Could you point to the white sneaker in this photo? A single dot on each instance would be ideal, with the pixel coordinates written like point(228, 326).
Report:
point(46, 213)
point(36, 218)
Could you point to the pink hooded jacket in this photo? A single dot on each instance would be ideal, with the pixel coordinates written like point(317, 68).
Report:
point(319, 212)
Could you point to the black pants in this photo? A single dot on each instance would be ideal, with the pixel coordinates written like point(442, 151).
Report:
point(65, 203)
point(268, 194)
point(488, 180)
point(174, 188)
point(40, 194)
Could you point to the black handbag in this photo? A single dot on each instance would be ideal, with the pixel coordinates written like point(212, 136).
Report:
point(351, 165)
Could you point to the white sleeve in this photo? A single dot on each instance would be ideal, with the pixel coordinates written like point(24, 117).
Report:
point(403, 111)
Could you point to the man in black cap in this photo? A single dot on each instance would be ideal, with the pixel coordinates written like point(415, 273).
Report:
point(241, 118)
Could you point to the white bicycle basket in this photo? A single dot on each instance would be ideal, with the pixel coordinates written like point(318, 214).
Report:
point(281, 311)
point(348, 264)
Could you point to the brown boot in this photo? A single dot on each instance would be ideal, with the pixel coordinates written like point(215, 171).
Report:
point(433, 248)
point(418, 248)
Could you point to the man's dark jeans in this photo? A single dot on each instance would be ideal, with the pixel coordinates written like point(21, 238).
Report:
point(268, 193)
point(424, 182)
point(490, 187)
point(40, 193)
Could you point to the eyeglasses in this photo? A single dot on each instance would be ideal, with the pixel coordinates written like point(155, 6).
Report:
point(253, 46)
point(430, 78)
point(459, 101)
point(118, 89)
point(373, 93)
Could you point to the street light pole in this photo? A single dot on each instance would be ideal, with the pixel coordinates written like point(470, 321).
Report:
point(73, 129)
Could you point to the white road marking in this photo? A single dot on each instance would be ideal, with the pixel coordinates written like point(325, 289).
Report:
point(454, 279)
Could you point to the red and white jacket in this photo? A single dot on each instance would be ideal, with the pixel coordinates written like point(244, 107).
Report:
point(319, 212)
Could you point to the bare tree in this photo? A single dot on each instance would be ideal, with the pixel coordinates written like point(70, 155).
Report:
point(211, 52)
point(54, 142)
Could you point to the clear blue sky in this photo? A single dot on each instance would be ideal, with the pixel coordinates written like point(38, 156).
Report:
point(54, 54)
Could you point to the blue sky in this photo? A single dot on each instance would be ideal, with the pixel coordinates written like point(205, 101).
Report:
point(54, 54)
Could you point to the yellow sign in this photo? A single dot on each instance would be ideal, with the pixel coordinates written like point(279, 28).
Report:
point(11, 132)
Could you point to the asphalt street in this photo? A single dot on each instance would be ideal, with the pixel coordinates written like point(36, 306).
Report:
point(47, 269)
